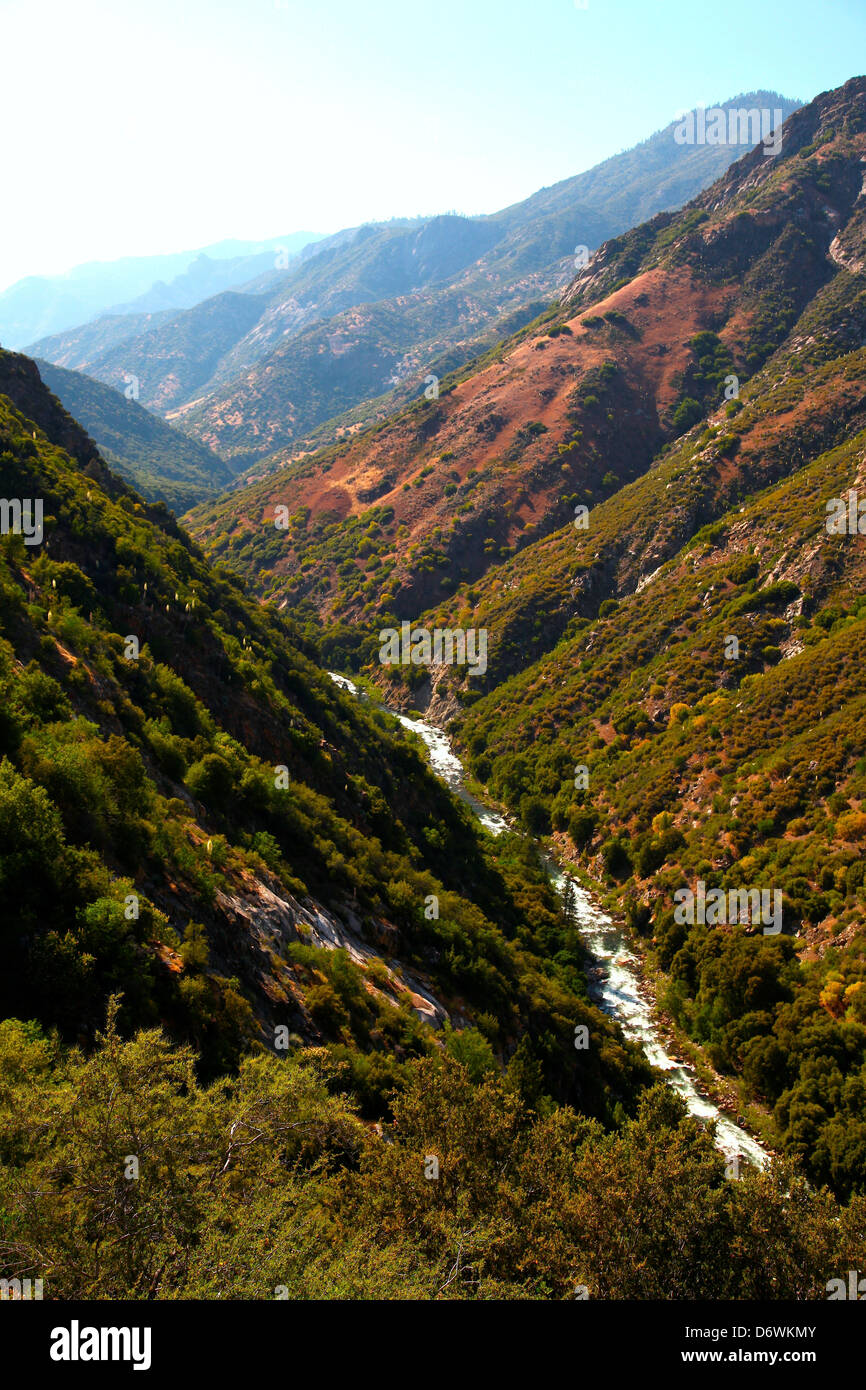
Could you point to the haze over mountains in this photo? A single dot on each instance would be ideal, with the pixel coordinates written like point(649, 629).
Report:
point(566, 411)
point(43, 304)
point(373, 311)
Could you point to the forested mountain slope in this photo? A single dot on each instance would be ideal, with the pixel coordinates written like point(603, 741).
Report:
point(196, 824)
point(160, 884)
point(252, 944)
point(163, 464)
point(684, 427)
point(697, 651)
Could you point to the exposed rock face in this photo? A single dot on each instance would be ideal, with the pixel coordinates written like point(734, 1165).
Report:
point(262, 922)
point(436, 698)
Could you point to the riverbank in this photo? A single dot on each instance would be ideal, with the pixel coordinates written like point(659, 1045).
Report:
point(619, 983)
point(653, 983)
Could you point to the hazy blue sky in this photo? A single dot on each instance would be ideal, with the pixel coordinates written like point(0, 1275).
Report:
point(164, 124)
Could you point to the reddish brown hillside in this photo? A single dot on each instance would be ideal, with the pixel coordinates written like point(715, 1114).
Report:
point(499, 451)
point(648, 339)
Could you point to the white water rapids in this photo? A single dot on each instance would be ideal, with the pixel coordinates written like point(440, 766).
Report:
point(618, 990)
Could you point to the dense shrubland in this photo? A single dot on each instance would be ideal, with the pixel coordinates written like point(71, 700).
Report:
point(138, 798)
point(266, 1184)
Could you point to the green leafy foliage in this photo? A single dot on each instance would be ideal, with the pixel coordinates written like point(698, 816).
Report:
point(267, 1185)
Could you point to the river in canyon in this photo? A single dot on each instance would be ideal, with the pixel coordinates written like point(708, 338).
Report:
point(617, 985)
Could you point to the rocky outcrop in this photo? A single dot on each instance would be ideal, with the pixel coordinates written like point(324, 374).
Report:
point(262, 919)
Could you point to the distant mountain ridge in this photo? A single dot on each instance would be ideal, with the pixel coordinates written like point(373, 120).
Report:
point(568, 410)
point(163, 464)
point(365, 316)
point(46, 304)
